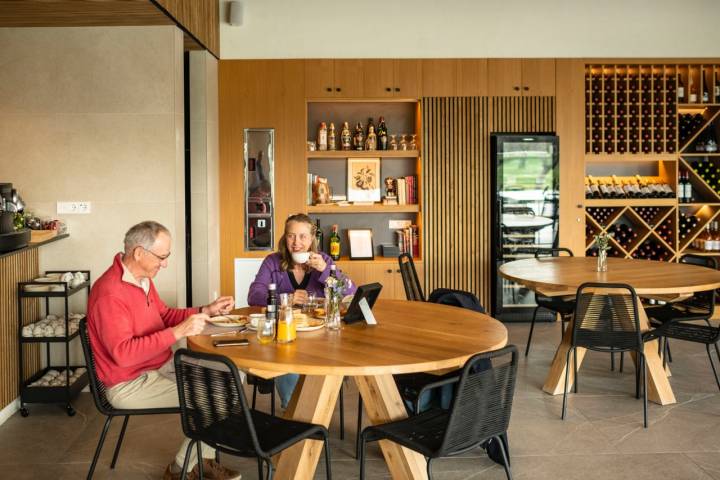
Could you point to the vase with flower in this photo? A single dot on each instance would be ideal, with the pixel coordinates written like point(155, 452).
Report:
point(335, 286)
point(602, 241)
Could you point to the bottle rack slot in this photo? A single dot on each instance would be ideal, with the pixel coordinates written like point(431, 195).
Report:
point(666, 231)
point(703, 178)
point(691, 221)
point(591, 229)
point(698, 130)
point(603, 216)
point(652, 249)
point(652, 216)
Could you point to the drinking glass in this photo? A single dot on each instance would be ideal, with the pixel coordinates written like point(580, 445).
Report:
point(403, 142)
point(309, 306)
point(393, 142)
point(413, 144)
point(265, 329)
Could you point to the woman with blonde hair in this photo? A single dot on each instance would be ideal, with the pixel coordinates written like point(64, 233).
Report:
point(292, 270)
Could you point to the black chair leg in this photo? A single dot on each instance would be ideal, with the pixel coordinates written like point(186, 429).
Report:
point(667, 348)
point(612, 361)
point(622, 361)
point(260, 463)
point(271, 470)
point(429, 468)
point(183, 474)
point(532, 327)
point(359, 427)
point(254, 396)
point(712, 364)
point(362, 457)
point(567, 376)
point(637, 378)
point(575, 370)
point(105, 429)
point(506, 458)
point(272, 399)
point(119, 442)
point(199, 460)
point(328, 471)
point(342, 413)
point(644, 377)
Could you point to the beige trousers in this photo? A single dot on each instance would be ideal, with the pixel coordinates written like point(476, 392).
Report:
point(155, 389)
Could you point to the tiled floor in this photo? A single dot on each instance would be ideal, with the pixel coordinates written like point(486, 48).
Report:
point(602, 438)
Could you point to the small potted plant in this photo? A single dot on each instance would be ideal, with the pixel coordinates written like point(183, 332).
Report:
point(335, 287)
point(602, 241)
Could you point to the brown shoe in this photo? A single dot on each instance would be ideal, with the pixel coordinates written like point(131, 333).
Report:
point(214, 471)
point(169, 475)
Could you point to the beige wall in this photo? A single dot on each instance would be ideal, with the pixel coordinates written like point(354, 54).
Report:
point(204, 163)
point(472, 28)
point(96, 114)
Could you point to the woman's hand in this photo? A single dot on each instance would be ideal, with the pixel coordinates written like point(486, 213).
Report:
point(316, 262)
point(300, 297)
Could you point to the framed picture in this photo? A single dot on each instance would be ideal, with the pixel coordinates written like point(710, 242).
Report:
point(363, 180)
point(361, 244)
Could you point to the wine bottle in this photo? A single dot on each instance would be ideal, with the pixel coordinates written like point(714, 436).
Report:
point(318, 235)
point(322, 137)
point(680, 90)
point(331, 137)
point(334, 243)
point(716, 89)
point(693, 93)
point(272, 303)
point(705, 90)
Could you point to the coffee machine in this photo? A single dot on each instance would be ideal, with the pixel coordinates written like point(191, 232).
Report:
point(10, 205)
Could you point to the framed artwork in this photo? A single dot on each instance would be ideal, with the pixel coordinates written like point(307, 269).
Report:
point(361, 244)
point(363, 178)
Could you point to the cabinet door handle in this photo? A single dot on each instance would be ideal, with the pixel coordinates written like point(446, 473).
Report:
point(397, 89)
point(397, 271)
point(389, 270)
point(328, 89)
point(388, 89)
point(516, 88)
point(526, 88)
point(338, 89)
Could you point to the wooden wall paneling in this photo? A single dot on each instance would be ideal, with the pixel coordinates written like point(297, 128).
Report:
point(19, 267)
point(200, 18)
point(349, 78)
point(570, 129)
point(408, 78)
point(319, 78)
point(259, 94)
point(472, 77)
point(378, 77)
point(504, 77)
point(439, 77)
point(538, 76)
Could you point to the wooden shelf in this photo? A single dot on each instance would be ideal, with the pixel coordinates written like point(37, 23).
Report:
point(697, 106)
point(703, 253)
point(363, 154)
point(377, 208)
point(700, 154)
point(362, 100)
point(639, 157)
point(631, 202)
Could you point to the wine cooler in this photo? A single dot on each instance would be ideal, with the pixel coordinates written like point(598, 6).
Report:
point(525, 214)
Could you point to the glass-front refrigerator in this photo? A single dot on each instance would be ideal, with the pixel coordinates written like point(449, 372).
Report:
point(525, 207)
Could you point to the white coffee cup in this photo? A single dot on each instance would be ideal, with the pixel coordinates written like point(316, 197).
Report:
point(300, 257)
point(255, 318)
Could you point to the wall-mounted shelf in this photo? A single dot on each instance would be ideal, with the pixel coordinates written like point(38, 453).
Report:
point(363, 154)
point(378, 208)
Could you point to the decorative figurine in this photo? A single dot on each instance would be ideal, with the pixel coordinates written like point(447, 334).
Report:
point(382, 135)
point(322, 137)
point(321, 191)
point(331, 145)
point(345, 137)
point(371, 141)
point(359, 137)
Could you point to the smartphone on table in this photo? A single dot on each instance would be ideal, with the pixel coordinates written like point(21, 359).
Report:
point(240, 342)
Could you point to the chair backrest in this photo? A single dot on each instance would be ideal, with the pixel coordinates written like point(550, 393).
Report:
point(483, 400)
point(212, 399)
point(606, 317)
point(413, 290)
point(702, 301)
point(553, 252)
point(456, 298)
point(519, 210)
point(96, 386)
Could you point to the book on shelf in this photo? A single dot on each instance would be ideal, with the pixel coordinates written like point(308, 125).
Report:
point(408, 240)
point(406, 190)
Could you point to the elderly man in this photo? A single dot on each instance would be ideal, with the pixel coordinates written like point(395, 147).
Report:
point(131, 331)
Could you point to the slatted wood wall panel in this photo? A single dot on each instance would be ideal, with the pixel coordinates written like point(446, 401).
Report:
point(20, 267)
point(456, 182)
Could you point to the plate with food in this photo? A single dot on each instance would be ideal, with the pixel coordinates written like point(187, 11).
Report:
point(229, 320)
point(304, 323)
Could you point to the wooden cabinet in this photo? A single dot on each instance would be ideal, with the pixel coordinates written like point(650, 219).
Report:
point(521, 77)
point(384, 271)
point(454, 77)
point(471, 77)
point(334, 78)
point(391, 78)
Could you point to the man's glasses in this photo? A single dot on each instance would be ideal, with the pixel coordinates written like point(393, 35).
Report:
point(161, 258)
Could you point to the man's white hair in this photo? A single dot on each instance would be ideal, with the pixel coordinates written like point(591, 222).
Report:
point(143, 235)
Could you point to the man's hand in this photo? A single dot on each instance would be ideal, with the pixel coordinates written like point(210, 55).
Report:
point(221, 306)
point(193, 325)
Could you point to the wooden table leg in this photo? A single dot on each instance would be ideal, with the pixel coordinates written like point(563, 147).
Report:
point(555, 381)
point(313, 401)
point(383, 403)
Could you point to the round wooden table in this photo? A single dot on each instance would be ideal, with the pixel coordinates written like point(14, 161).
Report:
point(410, 337)
point(531, 222)
point(563, 275)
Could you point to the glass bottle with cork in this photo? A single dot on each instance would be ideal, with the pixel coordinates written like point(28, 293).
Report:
point(266, 327)
point(334, 243)
point(318, 235)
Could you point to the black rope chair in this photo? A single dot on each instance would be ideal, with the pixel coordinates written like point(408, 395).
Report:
point(411, 282)
point(607, 320)
point(97, 388)
point(214, 411)
point(557, 305)
point(480, 411)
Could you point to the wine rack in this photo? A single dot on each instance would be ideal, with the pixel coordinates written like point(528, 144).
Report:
point(692, 220)
point(603, 216)
point(630, 109)
point(652, 249)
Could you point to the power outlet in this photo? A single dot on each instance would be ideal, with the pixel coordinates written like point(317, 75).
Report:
point(73, 207)
point(399, 224)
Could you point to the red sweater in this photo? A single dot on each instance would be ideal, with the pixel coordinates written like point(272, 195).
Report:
point(129, 331)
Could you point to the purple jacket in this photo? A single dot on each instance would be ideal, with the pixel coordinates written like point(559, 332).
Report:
point(270, 273)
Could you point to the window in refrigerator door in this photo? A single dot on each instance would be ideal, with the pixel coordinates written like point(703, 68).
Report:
point(259, 188)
